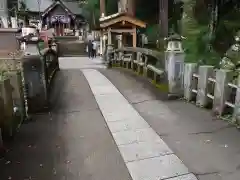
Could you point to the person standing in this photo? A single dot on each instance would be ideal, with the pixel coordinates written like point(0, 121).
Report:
point(90, 49)
point(94, 49)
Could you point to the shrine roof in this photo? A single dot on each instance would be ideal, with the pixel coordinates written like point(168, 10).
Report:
point(45, 5)
point(120, 17)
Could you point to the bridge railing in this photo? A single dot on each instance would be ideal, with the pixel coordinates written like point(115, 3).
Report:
point(146, 62)
point(217, 89)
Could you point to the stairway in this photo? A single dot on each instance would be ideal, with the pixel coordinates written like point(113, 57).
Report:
point(71, 46)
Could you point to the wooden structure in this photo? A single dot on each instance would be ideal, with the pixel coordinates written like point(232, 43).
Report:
point(120, 24)
point(60, 17)
point(57, 14)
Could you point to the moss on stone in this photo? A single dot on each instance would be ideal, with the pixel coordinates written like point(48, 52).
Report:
point(161, 87)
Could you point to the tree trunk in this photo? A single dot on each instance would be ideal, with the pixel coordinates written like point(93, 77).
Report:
point(163, 17)
point(102, 8)
point(131, 5)
point(128, 6)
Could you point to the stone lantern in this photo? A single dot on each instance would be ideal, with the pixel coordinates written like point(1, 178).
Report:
point(174, 43)
point(174, 64)
point(231, 59)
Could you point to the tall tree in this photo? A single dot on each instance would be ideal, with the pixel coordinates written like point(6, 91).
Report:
point(23, 12)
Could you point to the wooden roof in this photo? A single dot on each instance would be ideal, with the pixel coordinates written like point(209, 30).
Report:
point(56, 3)
point(122, 18)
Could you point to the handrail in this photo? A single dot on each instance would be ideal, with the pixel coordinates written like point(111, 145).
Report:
point(156, 54)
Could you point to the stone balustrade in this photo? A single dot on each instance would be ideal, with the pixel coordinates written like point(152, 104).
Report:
point(148, 63)
point(217, 89)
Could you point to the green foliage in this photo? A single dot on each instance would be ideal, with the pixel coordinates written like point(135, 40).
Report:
point(91, 10)
point(152, 32)
point(198, 43)
point(23, 11)
point(191, 19)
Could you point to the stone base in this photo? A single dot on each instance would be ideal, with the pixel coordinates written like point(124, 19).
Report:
point(172, 96)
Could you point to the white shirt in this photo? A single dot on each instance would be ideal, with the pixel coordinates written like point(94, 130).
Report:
point(94, 45)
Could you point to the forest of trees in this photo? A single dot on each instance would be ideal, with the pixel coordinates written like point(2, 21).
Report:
point(208, 25)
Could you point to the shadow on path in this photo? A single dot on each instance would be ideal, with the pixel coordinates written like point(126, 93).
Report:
point(71, 142)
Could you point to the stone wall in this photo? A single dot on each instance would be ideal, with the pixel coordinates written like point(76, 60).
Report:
point(8, 43)
point(25, 80)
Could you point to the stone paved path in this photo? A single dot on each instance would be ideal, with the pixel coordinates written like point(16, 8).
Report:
point(144, 152)
point(209, 147)
point(71, 142)
point(95, 131)
point(83, 62)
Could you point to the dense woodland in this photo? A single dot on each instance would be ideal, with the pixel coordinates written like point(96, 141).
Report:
point(209, 26)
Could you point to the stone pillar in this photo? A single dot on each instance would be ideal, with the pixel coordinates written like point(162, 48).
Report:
point(6, 95)
point(101, 45)
point(109, 37)
point(204, 73)
point(1, 141)
point(17, 93)
point(109, 47)
point(236, 113)
point(175, 73)
point(221, 90)
point(124, 39)
point(120, 41)
point(189, 81)
point(1, 122)
point(139, 58)
point(104, 44)
point(134, 35)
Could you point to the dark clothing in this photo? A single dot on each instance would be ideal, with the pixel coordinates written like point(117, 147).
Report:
point(90, 49)
point(94, 53)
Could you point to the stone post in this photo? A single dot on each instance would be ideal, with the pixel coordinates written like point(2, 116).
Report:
point(101, 45)
point(175, 65)
point(1, 122)
point(6, 95)
point(109, 36)
point(145, 66)
point(17, 93)
point(236, 113)
point(104, 45)
point(109, 47)
point(221, 90)
point(204, 73)
point(119, 41)
point(1, 141)
point(175, 73)
point(189, 82)
point(109, 52)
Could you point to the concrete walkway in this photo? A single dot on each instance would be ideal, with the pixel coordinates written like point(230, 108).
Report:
point(209, 147)
point(144, 152)
point(80, 63)
point(110, 125)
